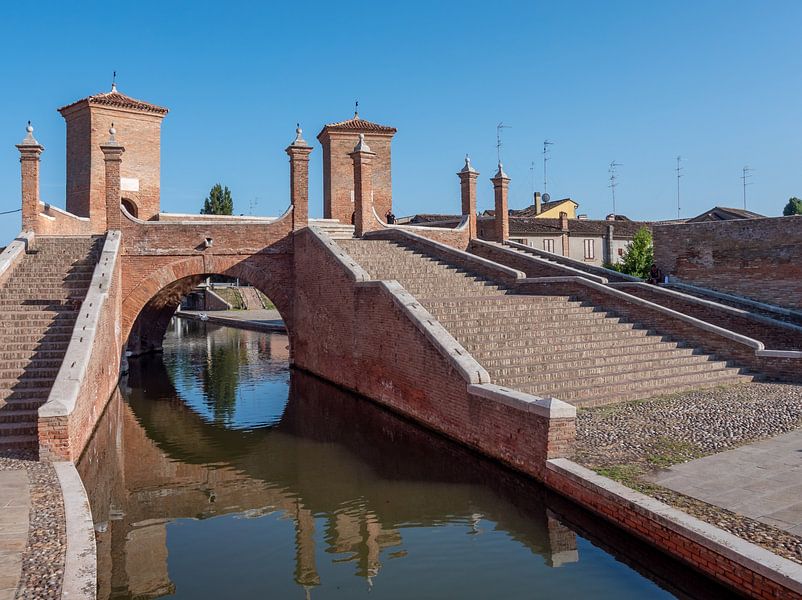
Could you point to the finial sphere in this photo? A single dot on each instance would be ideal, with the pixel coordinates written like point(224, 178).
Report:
point(29, 128)
point(112, 131)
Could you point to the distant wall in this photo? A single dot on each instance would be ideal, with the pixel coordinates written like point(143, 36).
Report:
point(756, 258)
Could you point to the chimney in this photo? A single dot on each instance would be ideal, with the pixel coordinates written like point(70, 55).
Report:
point(501, 184)
point(538, 206)
point(565, 234)
point(299, 152)
point(29, 152)
point(467, 179)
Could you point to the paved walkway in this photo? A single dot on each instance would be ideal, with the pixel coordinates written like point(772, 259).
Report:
point(761, 480)
point(257, 320)
point(15, 503)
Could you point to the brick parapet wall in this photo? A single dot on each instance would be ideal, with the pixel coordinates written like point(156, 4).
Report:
point(775, 335)
point(91, 368)
point(757, 258)
point(55, 221)
point(456, 256)
point(712, 339)
point(531, 265)
point(457, 237)
point(363, 338)
point(738, 564)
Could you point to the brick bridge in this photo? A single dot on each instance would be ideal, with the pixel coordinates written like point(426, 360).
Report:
point(488, 342)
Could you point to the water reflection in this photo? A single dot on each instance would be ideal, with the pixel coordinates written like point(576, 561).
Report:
point(198, 494)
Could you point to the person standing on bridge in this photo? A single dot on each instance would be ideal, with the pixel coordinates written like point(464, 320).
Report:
point(390, 217)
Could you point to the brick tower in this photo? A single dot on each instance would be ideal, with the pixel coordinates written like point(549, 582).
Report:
point(338, 141)
point(138, 126)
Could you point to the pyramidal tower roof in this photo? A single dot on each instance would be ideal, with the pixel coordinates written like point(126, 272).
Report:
point(116, 99)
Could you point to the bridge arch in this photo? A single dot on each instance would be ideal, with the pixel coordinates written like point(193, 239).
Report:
point(148, 307)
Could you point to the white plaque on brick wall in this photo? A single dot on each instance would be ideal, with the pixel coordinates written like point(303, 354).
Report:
point(129, 184)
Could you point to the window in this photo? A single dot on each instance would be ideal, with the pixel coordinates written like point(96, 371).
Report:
point(548, 246)
point(590, 254)
point(620, 252)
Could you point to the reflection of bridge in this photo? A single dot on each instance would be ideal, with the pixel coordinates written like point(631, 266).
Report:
point(155, 461)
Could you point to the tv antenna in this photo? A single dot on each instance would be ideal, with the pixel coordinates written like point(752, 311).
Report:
point(746, 174)
point(613, 180)
point(499, 127)
point(532, 171)
point(253, 203)
point(679, 174)
point(546, 158)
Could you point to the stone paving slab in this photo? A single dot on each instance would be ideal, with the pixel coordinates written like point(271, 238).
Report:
point(268, 320)
point(15, 504)
point(761, 480)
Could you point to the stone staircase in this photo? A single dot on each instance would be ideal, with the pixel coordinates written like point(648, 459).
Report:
point(544, 345)
point(39, 305)
point(333, 228)
point(251, 298)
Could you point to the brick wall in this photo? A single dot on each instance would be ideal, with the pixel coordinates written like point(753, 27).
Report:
point(91, 369)
point(779, 368)
point(757, 258)
point(140, 134)
point(357, 336)
point(338, 173)
point(741, 566)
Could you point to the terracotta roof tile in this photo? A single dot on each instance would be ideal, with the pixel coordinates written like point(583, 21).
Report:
point(118, 100)
point(357, 124)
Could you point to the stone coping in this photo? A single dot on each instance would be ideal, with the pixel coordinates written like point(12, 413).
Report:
point(14, 253)
point(67, 386)
point(80, 560)
point(759, 560)
point(508, 272)
point(352, 268)
point(48, 207)
point(780, 310)
point(722, 307)
point(462, 361)
point(209, 219)
point(736, 337)
point(461, 226)
point(537, 259)
point(559, 259)
point(550, 408)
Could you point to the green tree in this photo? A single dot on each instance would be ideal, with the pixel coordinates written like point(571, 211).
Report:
point(639, 255)
point(794, 207)
point(218, 202)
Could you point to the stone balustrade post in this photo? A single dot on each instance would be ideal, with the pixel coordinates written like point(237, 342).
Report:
point(364, 220)
point(112, 159)
point(29, 152)
point(467, 179)
point(501, 184)
point(299, 152)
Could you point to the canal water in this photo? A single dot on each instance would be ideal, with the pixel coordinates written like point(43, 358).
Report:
point(218, 472)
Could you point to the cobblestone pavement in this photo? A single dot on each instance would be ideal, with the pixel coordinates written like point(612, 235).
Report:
point(633, 442)
point(42, 557)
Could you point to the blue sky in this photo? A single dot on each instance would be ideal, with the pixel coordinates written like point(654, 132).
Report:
point(717, 82)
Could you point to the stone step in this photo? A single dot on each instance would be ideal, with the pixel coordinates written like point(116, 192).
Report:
point(537, 363)
point(563, 331)
point(18, 415)
point(512, 311)
point(37, 346)
point(24, 372)
point(46, 328)
point(511, 300)
point(8, 361)
point(583, 386)
point(21, 442)
point(17, 429)
point(24, 404)
point(24, 383)
point(557, 350)
point(523, 319)
point(10, 338)
point(598, 353)
point(564, 374)
point(494, 344)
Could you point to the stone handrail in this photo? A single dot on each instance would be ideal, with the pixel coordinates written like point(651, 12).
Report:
point(14, 253)
point(508, 249)
point(779, 310)
point(570, 262)
point(91, 366)
point(493, 269)
point(605, 289)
